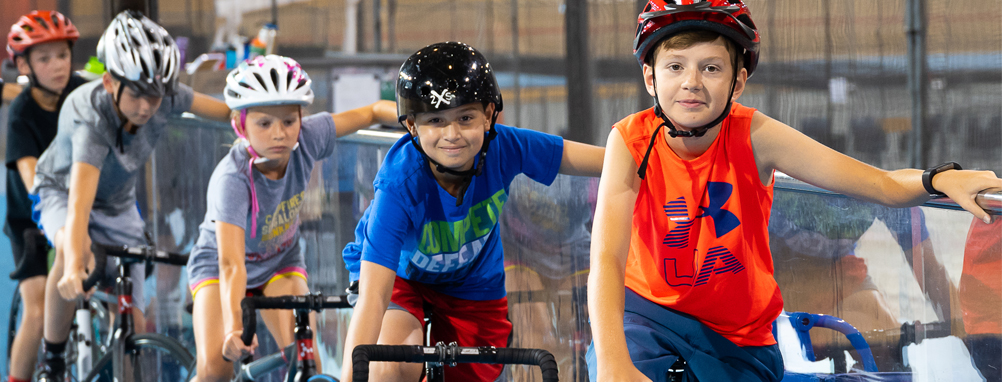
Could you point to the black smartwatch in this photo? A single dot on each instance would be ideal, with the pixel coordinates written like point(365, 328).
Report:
point(928, 174)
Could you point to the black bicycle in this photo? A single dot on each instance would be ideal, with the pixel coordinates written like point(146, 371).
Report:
point(299, 355)
point(132, 356)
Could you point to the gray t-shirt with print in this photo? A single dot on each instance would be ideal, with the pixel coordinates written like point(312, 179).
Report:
point(229, 200)
point(88, 133)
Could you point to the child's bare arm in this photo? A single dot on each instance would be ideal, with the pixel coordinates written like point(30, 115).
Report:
point(9, 91)
point(375, 287)
point(780, 147)
point(210, 108)
point(232, 286)
point(83, 189)
point(381, 112)
point(26, 169)
point(581, 159)
point(617, 194)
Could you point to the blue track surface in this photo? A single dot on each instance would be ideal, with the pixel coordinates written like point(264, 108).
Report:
point(6, 287)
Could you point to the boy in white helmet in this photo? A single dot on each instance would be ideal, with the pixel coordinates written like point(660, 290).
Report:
point(249, 240)
point(85, 181)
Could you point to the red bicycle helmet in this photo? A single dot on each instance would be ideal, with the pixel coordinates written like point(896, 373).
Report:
point(730, 18)
point(39, 27)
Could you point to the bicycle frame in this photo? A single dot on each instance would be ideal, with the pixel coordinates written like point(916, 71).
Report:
point(85, 337)
point(123, 295)
point(126, 324)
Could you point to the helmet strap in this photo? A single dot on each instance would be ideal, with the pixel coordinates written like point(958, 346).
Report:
point(672, 131)
point(125, 120)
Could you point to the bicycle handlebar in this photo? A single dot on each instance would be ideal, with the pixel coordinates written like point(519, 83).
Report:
point(142, 252)
point(450, 354)
point(314, 302)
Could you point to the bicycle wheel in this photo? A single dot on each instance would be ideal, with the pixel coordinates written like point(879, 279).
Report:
point(154, 358)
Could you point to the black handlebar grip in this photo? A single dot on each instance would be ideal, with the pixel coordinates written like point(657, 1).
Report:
point(547, 364)
point(100, 264)
point(363, 354)
point(249, 320)
point(176, 259)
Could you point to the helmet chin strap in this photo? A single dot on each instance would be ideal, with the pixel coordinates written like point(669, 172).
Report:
point(467, 175)
point(672, 131)
point(121, 128)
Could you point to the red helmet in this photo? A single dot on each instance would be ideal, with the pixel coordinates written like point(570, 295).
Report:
point(39, 27)
point(730, 18)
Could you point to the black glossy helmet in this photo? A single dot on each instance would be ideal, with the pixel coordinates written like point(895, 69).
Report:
point(443, 76)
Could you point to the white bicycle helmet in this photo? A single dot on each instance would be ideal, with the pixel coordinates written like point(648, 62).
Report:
point(268, 80)
point(140, 53)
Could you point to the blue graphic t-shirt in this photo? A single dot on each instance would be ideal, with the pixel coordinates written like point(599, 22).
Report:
point(414, 226)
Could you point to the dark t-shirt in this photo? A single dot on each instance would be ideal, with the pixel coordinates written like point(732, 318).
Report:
point(31, 130)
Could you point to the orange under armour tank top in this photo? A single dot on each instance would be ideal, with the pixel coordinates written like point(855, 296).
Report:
point(700, 242)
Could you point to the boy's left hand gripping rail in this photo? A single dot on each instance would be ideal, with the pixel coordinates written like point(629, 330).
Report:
point(450, 355)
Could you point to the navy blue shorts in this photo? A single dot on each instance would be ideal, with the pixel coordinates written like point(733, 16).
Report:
point(657, 336)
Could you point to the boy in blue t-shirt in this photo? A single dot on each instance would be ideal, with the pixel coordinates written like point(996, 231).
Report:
point(429, 239)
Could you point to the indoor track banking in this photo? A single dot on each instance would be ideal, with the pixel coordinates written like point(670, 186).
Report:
point(866, 291)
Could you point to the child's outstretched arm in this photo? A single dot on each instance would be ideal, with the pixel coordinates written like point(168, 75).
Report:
point(210, 108)
point(375, 287)
point(232, 288)
point(381, 112)
point(8, 91)
point(83, 189)
point(581, 159)
point(610, 244)
point(780, 147)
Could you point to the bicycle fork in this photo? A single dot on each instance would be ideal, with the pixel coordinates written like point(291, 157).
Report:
point(84, 338)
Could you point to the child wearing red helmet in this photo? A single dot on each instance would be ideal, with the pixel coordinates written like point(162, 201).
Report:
point(688, 234)
point(40, 44)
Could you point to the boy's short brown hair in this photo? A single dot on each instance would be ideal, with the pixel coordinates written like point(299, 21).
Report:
point(687, 39)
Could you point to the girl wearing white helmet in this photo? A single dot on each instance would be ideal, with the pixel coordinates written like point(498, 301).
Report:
point(249, 240)
point(86, 179)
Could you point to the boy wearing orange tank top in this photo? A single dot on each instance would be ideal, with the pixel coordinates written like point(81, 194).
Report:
point(684, 204)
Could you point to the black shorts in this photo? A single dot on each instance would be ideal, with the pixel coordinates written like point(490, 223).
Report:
point(31, 252)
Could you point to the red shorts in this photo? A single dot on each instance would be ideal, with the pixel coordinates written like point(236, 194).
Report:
point(467, 322)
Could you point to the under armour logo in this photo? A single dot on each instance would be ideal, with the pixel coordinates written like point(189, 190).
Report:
point(446, 96)
point(724, 221)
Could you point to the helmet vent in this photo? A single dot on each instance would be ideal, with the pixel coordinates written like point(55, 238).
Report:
point(55, 21)
point(243, 84)
point(288, 79)
point(146, 69)
point(746, 20)
point(274, 77)
point(157, 60)
point(41, 22)
point(260, 80)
